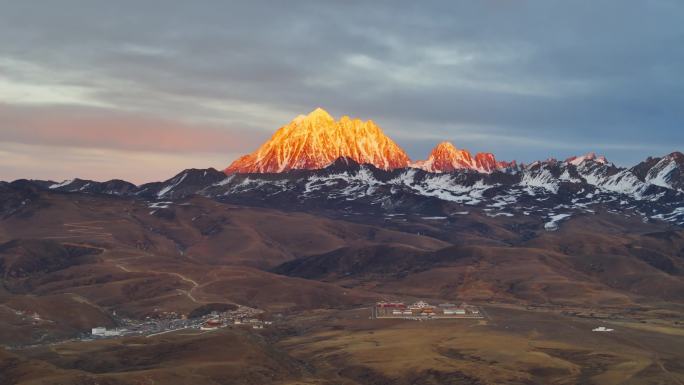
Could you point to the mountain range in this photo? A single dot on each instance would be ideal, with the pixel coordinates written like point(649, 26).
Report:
point(315, 140)
point(352, 166)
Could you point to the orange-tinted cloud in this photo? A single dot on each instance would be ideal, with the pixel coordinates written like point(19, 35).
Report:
point(48, 162)
point(96, 128)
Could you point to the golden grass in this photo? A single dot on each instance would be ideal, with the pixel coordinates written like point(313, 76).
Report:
point(401, 349)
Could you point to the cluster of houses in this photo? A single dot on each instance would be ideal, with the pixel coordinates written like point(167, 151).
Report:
point(424, 309)
point(169, 321)
point(219, 322)
point(102, 331)
point(29, 315)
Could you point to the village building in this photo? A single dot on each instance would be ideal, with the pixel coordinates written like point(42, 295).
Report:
point(211, 324)
point(422, 310)
point(399, 305)
point(420, 305)
point(113, 332)
point(602, 329)
point(101, 331)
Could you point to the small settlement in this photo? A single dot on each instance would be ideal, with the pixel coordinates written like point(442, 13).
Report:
point(422, 310)
point(242, 317)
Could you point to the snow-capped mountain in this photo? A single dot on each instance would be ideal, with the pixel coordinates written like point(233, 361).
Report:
point(577, 160)
point(185, 183)
point(316, 140)
point(667, 171)
point(111, 187)
point(316, 162)
point(445, 157)
point(552, 190)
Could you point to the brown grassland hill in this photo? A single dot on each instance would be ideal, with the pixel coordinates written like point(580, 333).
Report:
point(68, 261)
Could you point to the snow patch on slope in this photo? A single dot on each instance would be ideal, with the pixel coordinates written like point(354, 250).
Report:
point(661, 174)
point(554, 219)
point(540, 178)
point(167, 189)
point(62, 184)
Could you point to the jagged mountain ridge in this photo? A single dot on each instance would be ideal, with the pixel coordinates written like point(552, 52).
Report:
point(316, 140)
point(667, 171)
point(445, 157)
point(550, 190)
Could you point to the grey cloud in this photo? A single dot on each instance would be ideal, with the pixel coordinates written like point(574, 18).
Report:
point(599, 74)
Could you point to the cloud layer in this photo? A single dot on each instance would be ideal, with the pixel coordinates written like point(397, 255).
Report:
point(209, 80)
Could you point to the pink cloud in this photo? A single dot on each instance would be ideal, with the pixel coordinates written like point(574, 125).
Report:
point(98, 128)
point(65, 162)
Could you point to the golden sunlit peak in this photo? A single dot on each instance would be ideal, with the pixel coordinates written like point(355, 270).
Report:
point(319, 113)
point(316, 140)
point(445, 157)
point(446, 145)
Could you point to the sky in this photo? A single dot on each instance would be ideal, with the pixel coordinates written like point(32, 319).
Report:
point(140, 90)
